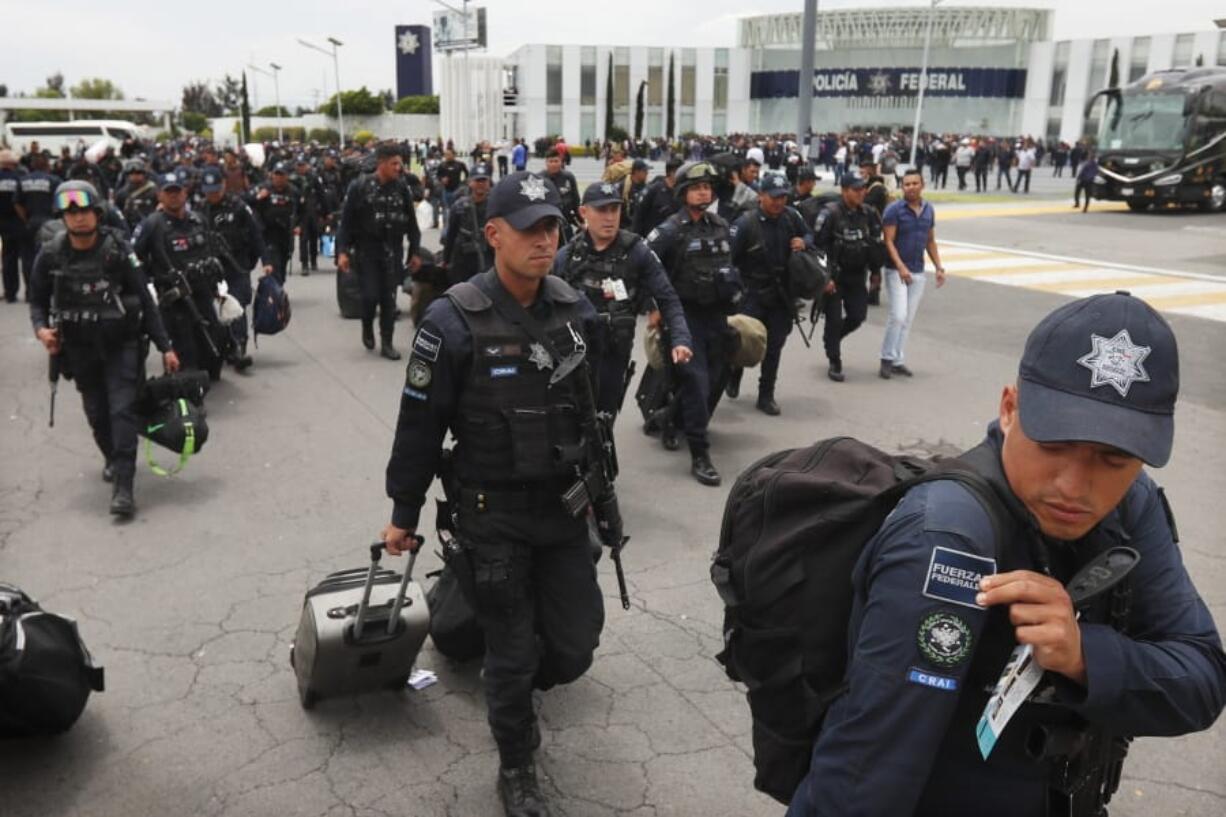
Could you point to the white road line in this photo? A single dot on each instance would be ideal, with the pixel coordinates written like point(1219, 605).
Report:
point(1221, 279)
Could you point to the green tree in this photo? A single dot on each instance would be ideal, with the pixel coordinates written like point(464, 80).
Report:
point(55, 83)
point(357, 103)
point(271, 110)
point(416, 104)
point(608, 100)
point(194, 121)
point(198, 97)
point(325, 136)
point(95, 88)
point(229, 95)
point(1113, 81)
point(671, 126)
point(638, 111)
point(244, 107)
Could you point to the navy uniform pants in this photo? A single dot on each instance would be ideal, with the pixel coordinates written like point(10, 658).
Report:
point(777, 315)
point(308, 243)
point(189, 336)
point(379, 278)
point(538, 601)
point(703, 377)
point(844, 311)
point(610, 372)
point(280, 245)
point(13, 250)
point(108, 379)
point(239, 284)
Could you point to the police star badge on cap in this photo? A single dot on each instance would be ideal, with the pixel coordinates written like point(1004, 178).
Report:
point(532, 188)
point(1116, 362)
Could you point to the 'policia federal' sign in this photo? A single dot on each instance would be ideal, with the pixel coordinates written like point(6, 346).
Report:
point(892, 82)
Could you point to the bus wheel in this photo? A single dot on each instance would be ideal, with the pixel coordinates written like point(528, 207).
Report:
point(1217, 198)
point(1138, 205)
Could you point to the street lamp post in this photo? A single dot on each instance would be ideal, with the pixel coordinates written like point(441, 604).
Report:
point(919, 104)
point(276, 90)
point(340, 109)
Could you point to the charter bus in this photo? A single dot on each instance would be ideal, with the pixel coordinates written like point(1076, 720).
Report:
point(54, 135)
point(1163, 140)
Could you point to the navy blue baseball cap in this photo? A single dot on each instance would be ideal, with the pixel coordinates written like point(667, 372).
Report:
point(169, 180)
point(852, 182)
point(480, 171)
point(601, 193)
point(774, 185)
point(282, 168)
point(211, 180)
point(1102, 369)
point(523, 199)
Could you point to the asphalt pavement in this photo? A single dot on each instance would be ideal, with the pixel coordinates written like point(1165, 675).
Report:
point(192, 606)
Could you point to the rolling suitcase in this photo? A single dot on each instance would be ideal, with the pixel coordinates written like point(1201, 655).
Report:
point(360, 630)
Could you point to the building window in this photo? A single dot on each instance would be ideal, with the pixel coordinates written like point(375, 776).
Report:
point(1182, 57)
point(587, 75)
point(720, 89)
point(1100, 58)
point(655, 85)
point(1059, 75)
point(687, 121)
point(688, 56)
point(719, 124)
point(553, 123)
point(621, 77)
point(1053, 128)
point(1139, 61)
point(652, 126)
point(587, 126)
point(1221, 48)
point(553, 75)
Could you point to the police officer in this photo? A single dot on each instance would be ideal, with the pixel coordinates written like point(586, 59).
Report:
point(806, 180)
point(38, 200)
point(1093, 402)
point(239, 243)
point(311, 212)
point(619, 275)
point(634, 190)
point(476, 367)
point(465, 252)
point(693, 245)
point(174, 245)
point(850, 234)
point(877, 196)
point(277, 203)
point(568, 189)
point(377, 215)
point(138, 197)
point(762, 242)
point(658, 201)
point(12, 224)
point(89, 304)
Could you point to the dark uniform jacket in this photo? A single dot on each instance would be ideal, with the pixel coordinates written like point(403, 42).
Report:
point(448, 368)
point(761, 246)
point(376, 217)
point(851, 240)
point(657, 204)
point(924, 658)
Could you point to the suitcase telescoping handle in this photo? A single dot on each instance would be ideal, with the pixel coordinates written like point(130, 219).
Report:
point(376, 553)
point(404, 586)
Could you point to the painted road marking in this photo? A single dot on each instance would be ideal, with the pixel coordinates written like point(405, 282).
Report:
point(1183, 293)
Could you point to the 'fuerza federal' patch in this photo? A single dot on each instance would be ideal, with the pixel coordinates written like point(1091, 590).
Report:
point(945, 639)
point(427, 345)
point(953, 576)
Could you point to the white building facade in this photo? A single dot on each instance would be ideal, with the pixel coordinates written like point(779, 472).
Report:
point(993, 71)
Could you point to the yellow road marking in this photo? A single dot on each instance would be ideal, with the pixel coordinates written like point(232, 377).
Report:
point(1040, 266)
point(1201, 299)
point(1105, 284)
point(1034, 210)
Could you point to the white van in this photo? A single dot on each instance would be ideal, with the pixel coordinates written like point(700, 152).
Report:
point(79, 134)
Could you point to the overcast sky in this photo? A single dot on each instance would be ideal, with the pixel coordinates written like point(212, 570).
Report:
point(152, 50)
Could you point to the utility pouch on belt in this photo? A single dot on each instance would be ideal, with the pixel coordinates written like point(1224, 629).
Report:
point(493, 576)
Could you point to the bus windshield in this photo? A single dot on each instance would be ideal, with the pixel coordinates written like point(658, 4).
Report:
point(1146, 121)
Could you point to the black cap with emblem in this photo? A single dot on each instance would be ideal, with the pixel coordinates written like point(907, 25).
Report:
point(1102, 369)
point(523, 199)
point(601, 193)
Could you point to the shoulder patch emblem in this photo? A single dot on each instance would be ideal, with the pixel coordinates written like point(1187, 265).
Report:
point(953, 576)
point(930, 679)
point(945, 639)
point(420, 374)
point(427, 345)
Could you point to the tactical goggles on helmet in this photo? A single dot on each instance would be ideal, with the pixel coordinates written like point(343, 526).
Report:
point(66, 200)
point(700, 172)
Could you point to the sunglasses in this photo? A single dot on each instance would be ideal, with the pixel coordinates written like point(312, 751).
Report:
point(69, 199)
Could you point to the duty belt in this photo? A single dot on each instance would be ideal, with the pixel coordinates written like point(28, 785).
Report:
point(83, 316)
point(483, 500)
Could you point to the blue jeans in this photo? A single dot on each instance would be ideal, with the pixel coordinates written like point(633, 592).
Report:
point(904, 302)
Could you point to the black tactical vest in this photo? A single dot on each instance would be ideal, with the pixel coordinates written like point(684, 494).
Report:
point(140, 203)
point(852, 251)
point(185, 243)
point(278, 209)
point(226, 222)
point(387, 212)
point(587, 271)
point(512, 425)
point(470, 230)
point(702, 252)
point(87, 289)
point(763, 269)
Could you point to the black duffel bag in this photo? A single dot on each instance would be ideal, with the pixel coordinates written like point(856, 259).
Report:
point(46, 673)
point(806, 275)
point(453, 623)
point(171, 411)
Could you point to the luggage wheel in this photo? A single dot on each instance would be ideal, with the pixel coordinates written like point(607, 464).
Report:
point(307, 697)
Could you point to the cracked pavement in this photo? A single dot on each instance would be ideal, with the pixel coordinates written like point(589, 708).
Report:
point(191, 607)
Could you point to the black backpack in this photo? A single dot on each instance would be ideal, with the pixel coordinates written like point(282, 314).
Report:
point(794, 526)
point(46, 673)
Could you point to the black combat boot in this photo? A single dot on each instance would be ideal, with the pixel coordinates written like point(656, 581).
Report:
point(767, 404)
point(387, 350)
point(368, 335)
point(520, 792)
point(108, 473)
point(669, 438)
point(835, 372)
point(733, 389)
point(123, 504)
point(702, 469)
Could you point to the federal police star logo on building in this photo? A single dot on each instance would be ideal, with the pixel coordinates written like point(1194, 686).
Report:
point(532, 188)
point(1116, 362)
point(408, 43)
point(879, 83)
